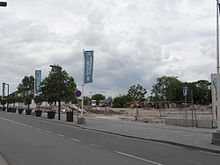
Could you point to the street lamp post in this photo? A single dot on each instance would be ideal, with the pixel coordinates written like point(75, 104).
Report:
point(59, 97)
point(3, 92)
point(3, 4)
point(8, 94)
point(216, 109)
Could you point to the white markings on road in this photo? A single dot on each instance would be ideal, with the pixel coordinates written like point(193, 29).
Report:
point(48, 131)
point(95, 145)
point(142, 159)
point(21, 124)
point(60, 135)
point(76, 140)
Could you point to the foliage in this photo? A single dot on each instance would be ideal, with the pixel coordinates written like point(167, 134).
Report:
point(98, 97)
point(86, 100)
point(137, 92)
point(202, 92)
point(26, 89)
point(38, 99)
point(171, 89)
point(50, 86)
point(166, 88)
point(13, 98)
point(120, 101)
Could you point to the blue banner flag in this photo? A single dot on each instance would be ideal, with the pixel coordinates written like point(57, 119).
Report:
point(37, 81)
point(88, 67)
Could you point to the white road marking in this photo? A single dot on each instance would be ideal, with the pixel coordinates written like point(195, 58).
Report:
point(95, 145)
point(132, 156)
point(48, 131)
point(60, 135)
point(21, 124)
point(76, 140)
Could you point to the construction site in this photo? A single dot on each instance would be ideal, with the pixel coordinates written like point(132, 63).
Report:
point(188, 116)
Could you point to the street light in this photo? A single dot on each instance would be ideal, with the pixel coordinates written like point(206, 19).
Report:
point(59, 98)
point(3, 4)
point(216, 103)
point(3, 92)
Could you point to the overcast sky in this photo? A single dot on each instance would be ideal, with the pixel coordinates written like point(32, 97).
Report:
point(134, 41)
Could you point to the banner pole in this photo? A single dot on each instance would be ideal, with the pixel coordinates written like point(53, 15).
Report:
point(83, 82)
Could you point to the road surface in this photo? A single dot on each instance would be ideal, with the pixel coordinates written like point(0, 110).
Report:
point(27, 140)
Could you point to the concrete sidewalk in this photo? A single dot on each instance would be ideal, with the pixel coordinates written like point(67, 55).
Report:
point(197, 138)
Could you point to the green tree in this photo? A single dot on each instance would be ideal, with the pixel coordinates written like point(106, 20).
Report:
point(38, 99)
point(171, 89)
point(2, 101)
point(137, 92)
point(26, 89)
point(202, 92)
point(98, 97)
point(166, 88)
point(120, 101)
point(50, 87)
point(87, 101)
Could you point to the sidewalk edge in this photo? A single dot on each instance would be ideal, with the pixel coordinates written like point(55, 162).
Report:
point(141, 138)
point(154, 140)
point(134, 137)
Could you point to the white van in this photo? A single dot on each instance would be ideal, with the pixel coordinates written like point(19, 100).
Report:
point(93, 103)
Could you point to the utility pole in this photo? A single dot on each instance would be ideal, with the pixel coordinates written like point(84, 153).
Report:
point(3, 92)
point(3, 4)
point(3, 95)
point(216, 135)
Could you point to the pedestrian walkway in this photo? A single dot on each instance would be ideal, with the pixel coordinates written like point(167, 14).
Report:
point(198, 138)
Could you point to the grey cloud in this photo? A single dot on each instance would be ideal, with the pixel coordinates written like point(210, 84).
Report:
point(134, 41)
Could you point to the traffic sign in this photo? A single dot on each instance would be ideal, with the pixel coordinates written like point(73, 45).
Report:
point(78, 93)
point(185, 91)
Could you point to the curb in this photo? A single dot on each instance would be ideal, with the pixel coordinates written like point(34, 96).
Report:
point(129, 136)
point(136, 137)
point(155, 140)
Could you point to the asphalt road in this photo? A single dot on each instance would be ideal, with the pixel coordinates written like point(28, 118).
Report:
point(27, 140)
